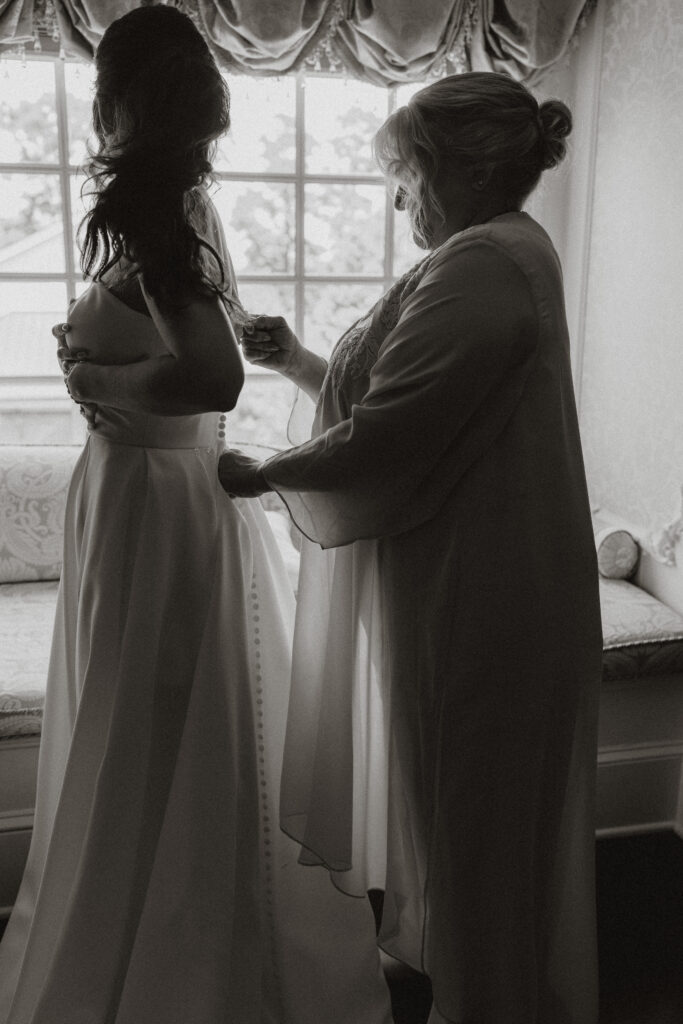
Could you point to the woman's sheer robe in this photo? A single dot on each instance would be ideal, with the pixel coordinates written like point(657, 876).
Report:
point(442, 724)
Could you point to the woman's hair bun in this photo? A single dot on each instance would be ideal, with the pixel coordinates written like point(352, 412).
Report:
point(555, 121)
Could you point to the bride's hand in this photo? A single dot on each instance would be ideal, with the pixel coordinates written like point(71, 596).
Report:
point(69, 360)
point(240, 475)
point(268, 341)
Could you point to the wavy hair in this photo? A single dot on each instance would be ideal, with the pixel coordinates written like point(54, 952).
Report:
point(476, 120)
point(160, 105)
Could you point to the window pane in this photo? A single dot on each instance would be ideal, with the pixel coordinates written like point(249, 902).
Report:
point(28, 114)
point(31, 232)
point(28, 310)
point(262, 299)
point(331, 308)
point(262, 134)
point(344, 229)
point(341, 119)
point(80, 201)
point(39, 414)
point(404, 92)
point(80, 80)
point(406, 253)
point(258, 218)
point(262, 412)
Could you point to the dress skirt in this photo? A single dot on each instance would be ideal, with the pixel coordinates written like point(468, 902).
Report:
point(158, 887)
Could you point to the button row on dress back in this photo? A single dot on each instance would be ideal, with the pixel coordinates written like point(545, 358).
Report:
point(265, 809)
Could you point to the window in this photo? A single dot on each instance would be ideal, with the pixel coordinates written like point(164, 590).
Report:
point(310, 226)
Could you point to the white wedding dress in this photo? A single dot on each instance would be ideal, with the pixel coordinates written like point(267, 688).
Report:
point(159, 888)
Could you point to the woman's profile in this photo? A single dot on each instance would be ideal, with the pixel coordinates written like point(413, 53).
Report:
point(159, 889)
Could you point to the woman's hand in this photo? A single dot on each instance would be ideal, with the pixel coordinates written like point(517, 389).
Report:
point(69, 361)
point(268, 341)
point(241, 476)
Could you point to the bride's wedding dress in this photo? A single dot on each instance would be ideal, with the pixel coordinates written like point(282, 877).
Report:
point(159, 888)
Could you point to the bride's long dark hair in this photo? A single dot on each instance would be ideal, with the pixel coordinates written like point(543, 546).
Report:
point(160, 105)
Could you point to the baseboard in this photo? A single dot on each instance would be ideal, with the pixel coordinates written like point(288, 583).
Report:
point(635, 830)
point(639, 788)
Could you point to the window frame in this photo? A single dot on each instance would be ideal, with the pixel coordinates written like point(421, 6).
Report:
point(298, 177)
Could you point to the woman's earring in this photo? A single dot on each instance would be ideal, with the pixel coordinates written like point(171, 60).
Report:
point(400, 197)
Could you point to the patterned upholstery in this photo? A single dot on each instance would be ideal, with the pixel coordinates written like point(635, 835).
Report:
point(641, 636)
point(27, 612)
point(33, 485)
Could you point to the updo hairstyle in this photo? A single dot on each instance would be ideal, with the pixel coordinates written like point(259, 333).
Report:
point(160, 105)
point(477, 120)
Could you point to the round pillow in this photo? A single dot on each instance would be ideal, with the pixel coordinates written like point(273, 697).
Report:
point(617, 553)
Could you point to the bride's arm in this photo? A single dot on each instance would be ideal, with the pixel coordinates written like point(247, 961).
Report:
point(202, 372)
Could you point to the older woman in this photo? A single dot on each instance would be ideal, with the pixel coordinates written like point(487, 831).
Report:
point(441, 736)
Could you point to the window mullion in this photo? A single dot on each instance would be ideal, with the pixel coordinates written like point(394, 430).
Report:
point(299, 204)
point(28, 168)
point(64, 177)
point(390, 212)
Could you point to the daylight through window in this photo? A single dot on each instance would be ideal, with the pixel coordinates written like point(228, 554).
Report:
point(309, 222)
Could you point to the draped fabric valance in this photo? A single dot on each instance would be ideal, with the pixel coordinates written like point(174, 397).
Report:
point(383, 41)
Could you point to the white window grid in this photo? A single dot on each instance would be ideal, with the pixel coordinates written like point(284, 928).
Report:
point(298, 177)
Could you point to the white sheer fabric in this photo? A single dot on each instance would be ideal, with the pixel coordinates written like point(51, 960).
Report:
point(442, 725)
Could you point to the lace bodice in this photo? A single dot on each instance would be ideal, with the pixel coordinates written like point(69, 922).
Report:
point(356, 351)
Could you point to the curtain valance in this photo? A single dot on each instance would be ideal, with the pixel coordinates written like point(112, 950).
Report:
point(383, 41)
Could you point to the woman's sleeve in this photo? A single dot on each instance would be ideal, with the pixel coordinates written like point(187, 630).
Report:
point(447, 380)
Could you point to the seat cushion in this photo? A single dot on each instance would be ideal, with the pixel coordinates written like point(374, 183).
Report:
point(27, 612)
point(641, 636)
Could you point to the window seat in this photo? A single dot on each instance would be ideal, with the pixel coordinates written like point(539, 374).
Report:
point(642, 637)
point(640, 747)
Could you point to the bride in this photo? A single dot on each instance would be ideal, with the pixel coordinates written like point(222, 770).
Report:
point(158, 887)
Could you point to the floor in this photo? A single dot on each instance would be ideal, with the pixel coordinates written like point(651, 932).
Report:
point(640, 927)
point(640, 924)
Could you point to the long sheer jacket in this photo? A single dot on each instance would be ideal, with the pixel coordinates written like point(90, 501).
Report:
point(442, 726)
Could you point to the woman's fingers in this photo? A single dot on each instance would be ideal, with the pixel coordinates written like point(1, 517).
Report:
point(253, 335)
point(257, 344)
point(255, 356)
point(267, 346)
point(89, 411)
point(59, 330)
point(68, 358)
point(267, 323)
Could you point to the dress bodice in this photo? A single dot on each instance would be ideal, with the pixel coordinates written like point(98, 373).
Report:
point(114, 333)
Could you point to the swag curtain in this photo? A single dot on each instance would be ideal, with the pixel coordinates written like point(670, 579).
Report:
point(383, 41)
